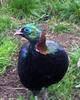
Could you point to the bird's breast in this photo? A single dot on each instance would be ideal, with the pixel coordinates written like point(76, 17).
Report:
point(41, 70)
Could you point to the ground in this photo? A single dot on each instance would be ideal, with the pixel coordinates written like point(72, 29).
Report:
point(10, 86)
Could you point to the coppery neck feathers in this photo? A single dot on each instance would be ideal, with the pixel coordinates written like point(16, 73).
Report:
point(41, 45)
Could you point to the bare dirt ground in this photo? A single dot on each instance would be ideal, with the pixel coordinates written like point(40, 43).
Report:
point(10, 86)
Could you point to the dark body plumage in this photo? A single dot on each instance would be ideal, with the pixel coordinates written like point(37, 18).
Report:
point(37, 70)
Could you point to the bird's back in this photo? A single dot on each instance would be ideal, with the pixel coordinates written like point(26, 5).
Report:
point(37, 70)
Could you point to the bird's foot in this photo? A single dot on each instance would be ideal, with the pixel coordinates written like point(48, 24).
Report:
point(36, 98)
point(45, 97)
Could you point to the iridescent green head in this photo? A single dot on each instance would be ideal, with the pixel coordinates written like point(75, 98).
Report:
point(30, 32)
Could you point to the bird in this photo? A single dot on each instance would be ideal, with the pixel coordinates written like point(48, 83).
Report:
point(41, 62)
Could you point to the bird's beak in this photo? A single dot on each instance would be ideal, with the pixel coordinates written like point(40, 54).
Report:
point(18, 32)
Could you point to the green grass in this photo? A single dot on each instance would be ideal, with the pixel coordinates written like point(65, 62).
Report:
point(67, 10)
point(7, 48)
point(21, 6)
point(62, 9)
point(6, 23)
point(7, 44)
point(57, 26)
point(62, 27)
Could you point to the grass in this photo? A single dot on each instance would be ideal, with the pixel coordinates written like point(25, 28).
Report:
point(62, 27)
point(67, 10)
point(63, 9)
point(7, 44)
point(7, 48)
point(22, 6)
point(57, 26)
point(5, 23)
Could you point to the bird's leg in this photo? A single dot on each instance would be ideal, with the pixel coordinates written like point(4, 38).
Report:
point(45, 94)
point(36, 98)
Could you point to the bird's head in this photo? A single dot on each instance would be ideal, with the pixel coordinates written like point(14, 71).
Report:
point(30, 32)
point(36, 36)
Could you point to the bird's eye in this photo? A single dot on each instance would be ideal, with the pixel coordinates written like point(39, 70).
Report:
point(24, 30)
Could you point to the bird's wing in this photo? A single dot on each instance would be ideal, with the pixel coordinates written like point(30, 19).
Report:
point(23, 54)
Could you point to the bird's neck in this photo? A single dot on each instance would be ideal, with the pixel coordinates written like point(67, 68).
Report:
point(41, 45)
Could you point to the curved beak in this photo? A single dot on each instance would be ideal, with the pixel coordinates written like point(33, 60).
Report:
point(18, 32)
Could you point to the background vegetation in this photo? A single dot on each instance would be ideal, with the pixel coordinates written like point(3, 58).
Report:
point(64, 17)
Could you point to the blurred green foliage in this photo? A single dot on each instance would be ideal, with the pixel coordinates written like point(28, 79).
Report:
point(7, 43)
point(7, 47)
point(5, 23)
point(63, 9)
